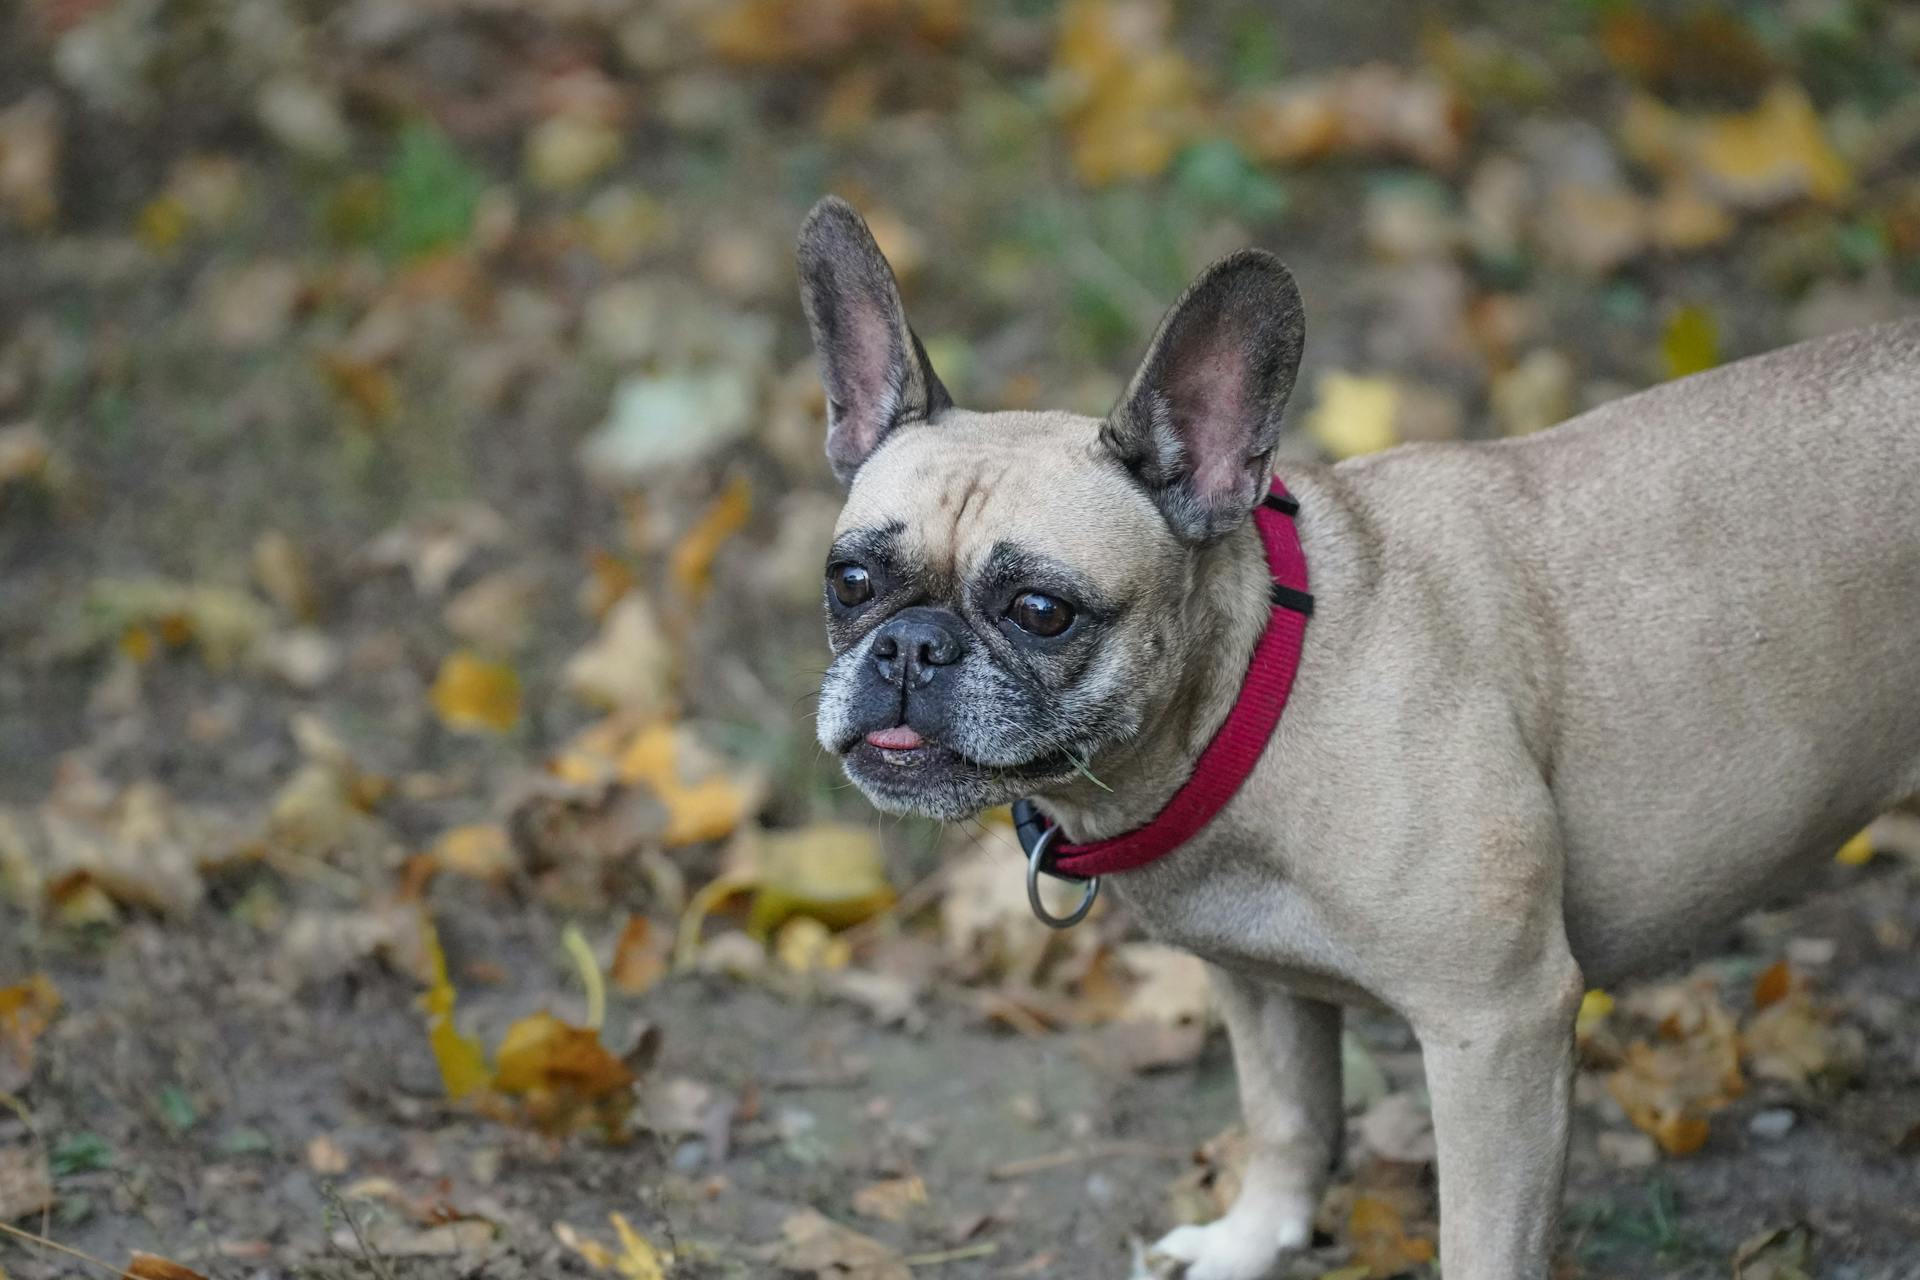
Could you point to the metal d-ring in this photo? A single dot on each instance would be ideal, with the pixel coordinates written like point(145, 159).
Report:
point(1037, 855)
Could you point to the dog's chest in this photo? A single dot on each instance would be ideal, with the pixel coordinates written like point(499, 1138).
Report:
point(1248, 918)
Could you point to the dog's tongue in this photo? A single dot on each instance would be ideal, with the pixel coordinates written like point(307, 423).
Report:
point(898, 738)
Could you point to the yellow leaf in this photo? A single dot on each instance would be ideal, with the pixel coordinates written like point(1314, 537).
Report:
point(891, 1200)
point(804, 945)
point(26, 1009)
point(161, 224)
point(692, 562)
point(1857, 852)
point(831, 872)
point(1131, 100)
point(1691, 341)
point(705, 809)
point(1780, 145)
point(472, 694)
point(1355, 414)
point(638, 1259)
point(564, 1075)
point(481, 851)
point(148, 1266)
point(462, 1062)
point(1594, 1008)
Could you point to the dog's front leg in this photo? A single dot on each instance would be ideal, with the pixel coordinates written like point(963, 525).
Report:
point(1499, 1078)
point(1286, 1052)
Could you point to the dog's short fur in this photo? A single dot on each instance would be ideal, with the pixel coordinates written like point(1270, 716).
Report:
point(1564, 703)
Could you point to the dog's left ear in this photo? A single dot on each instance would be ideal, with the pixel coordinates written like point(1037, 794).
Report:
point(875, 370)
point(1200, 420)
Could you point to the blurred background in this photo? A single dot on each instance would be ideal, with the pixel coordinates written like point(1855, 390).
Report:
point(414, 856)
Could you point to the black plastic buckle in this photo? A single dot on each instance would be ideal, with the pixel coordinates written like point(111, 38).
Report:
point(1283, 503)
point(1285, 597)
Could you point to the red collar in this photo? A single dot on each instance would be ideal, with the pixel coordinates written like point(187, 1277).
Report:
point(1236, 746)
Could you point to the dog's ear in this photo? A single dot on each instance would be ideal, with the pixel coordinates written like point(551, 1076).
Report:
point(1199, 422)
point(875, 370)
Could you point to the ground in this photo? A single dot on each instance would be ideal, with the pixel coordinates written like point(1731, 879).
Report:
point(411, 506)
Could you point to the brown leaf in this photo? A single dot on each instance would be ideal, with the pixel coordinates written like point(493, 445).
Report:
point(26, 1009)
point(1772, 986)
point(640, 957)
point(1782, 1253)
point(566, 1076)
point(148, 1266)
point(890, 1200)
point(26, 1186)
point(472, 694)
point(820, 1247)
point(1380, 1241)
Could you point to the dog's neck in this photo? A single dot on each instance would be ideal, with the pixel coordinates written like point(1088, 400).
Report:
point(1227, 600)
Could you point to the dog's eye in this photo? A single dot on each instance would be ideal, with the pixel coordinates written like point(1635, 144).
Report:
point(851, 584)
point(1040, 615)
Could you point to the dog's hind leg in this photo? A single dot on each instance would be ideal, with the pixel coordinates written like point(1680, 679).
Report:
point(1286, 1052)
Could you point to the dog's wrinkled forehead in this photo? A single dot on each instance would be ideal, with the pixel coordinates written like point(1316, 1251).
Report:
point(957, 487)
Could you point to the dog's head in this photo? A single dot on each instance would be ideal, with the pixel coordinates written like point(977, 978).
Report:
point(1007, 593)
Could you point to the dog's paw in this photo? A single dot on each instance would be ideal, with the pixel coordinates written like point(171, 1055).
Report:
point(1230, 1249)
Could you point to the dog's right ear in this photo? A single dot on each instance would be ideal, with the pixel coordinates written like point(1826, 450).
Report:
point(875, 370)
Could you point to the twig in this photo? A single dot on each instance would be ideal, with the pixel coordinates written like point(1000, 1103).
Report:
point(1106, 1151)
point(982, 1250)
point(71, 1252)
point(370, 1255)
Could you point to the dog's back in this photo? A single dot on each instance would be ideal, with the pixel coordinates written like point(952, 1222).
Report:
point(1721, 581)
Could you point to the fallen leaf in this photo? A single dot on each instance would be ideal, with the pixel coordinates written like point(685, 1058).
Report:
point(220, 623)
point(1669, 1089)
point(669, 419)
point(1782, 1253)
point(481, 851)
point(1594, 227)
point(1534, 394)
point(1173, 986)
point(832, 873)
point(472, 694)
point(1130, 99)
point(1857, 852)
point(639, 958)
point(30, 160)
point(1775, 153)
point(1379, 1239)
point(461, 1059)
point(890, 1200)
point(252, 307)
point(1398, 1128)
point(1773, 984)
point(435, 547)
point(692, 559)
point(27, 457)
point(703, 801)
point(818, 1246)
point(26, 1184)
point(1376, 110)
point(147, 1266)
point(628, 666)
point(567, 151)
point(1794, 1041)
point(26, 1010)
point(1691, 341)
point(495, 614)
point(564, 1074)
point(1595, 1007)
point(280, 568)
point(804, 945)
point(1354, 414)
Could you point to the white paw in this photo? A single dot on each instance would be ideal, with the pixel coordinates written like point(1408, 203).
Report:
point(1230, 1249)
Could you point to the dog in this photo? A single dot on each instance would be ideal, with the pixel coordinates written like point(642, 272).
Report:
point(1562, 703)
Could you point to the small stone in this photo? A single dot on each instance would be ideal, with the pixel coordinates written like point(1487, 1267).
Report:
point(1772, 1124)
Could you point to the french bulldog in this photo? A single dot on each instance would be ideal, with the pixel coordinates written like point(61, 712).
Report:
point(1564, 704)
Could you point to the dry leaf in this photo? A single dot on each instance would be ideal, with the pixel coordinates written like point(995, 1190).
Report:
point(629, 665)
point(26, 1186)
point(1130, 99)
point(147, 1266)
point(1782, 1253)
point(1773, 984)
point(1671, 1088)
point(1857, 852)
point(692, 560)
point(1380, 1241)
point(820, 1247)
point(1354, 414)
point(703, 802)
point(1775, 153)
point(1691, 341)
point(891, 1200)
point(565, 1075)
point(1793, 1041)
point(804, 945)
point(834, 873)
point(482, 851)
point(462, 1062)
point(26, 1009)
point(472, 694)
point(639, 958)
point(435, 547)
point(1374, 110)
point(30, 160)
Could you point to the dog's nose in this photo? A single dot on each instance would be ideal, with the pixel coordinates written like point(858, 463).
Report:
point(914, 644)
